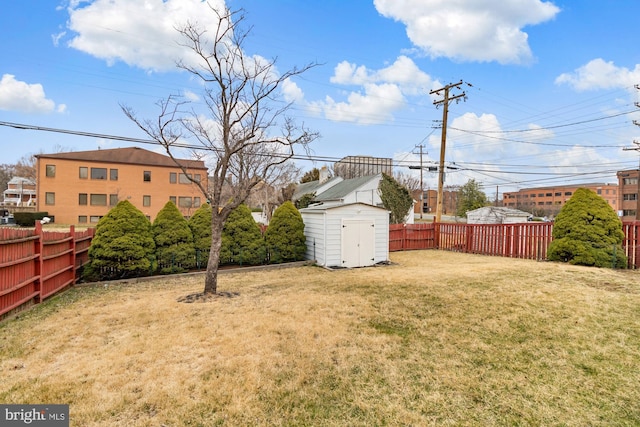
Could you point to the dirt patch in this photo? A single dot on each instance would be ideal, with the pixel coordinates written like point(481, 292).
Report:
point(208, 297)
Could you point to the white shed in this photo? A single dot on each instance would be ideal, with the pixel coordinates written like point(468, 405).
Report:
point(346, 235)
point(496, 215)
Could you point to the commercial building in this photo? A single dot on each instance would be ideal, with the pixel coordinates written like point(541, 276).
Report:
point(629, 201)
point(81, 187)
point(547, 201)
point(359, 166)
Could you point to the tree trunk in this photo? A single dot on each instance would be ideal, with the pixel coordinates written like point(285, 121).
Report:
point(211, 276)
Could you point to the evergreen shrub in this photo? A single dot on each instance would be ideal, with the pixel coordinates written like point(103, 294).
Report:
point(200, 225)
point(285, 235)
point(123, 245)
point(242, 240)
point(174, 241)
point(587, 231)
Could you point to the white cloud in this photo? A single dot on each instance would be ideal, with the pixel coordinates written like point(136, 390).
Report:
point(483, 30)
point(376, 105)
point(19, 96)
point(138, 33)
point(191, 96)
point(380, 93)
point(291, 91)
point(599, 74)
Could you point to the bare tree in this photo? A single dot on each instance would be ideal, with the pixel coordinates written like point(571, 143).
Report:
point(244, 126)
point(407, 180)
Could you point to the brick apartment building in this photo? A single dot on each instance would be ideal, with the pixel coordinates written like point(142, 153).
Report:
point(547, 201)
point(429, 201)
point(629, 200)
point(81, 187)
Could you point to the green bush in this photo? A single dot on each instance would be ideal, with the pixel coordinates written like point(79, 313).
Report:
point(242, 241)
point(28, 219)
point(174, 241)
point(285, 235)
point(587, 231)
point(123, 245)
point(395, 198)
point(200, 225)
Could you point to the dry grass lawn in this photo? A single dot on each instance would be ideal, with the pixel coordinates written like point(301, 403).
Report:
point(438, 338)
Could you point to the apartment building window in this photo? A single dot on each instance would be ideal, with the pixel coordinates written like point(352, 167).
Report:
point(540, 194)
point(94, 219)
point(113, 174)
point(146, 201)
point(172, 199)
point(173, 177)
point(599, 191)
point(632, 196)
point(82, 219)
point(629, 212)
point(184, 202)
point(196, 202)
point(548, 194)
point(533, 195)
point(184, 178)
point(82, 198)
point(113, 199)
point(146, 176)
point(567, 193)
point(98, 200)
point(83, 172)
point(629, 181)
point(558, 194)
point(98, 173)
point(196, 177)
point(51, 171)
point(49, 198)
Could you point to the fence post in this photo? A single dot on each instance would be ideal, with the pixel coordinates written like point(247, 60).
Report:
point(38, 248)
point(72, 233)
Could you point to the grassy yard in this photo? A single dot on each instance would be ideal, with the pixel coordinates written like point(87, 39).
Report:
point(438, 338)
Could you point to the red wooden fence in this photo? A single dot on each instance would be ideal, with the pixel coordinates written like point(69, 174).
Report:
point(525, 240)
point(35, 264)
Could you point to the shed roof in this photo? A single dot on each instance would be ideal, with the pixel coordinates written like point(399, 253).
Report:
point(129, 155)
point(498, 211)
point(319, 207)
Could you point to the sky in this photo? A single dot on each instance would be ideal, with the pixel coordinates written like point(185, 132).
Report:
point(549, 86)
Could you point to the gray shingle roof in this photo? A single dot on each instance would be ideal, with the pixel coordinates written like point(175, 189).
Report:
point(344, 188)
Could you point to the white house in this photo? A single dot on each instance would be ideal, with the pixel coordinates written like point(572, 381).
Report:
point(346, 235)
point(496, 215)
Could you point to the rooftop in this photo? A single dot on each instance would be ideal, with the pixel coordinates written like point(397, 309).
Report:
point(130, 155)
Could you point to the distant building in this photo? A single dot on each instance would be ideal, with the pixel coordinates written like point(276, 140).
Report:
point(359, 166)
point(547, 201)
point(81, 187)
point(429, 201)
point(629, 200)
point(20, 192)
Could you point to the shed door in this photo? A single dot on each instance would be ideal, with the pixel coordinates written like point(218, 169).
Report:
point(358, 242)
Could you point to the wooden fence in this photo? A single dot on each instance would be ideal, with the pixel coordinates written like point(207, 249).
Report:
point(35, 264)
point(525, 240)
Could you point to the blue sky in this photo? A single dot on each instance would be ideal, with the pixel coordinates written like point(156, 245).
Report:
point(550, 101)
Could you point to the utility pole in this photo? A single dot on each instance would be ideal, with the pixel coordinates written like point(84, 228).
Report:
point(421, 146)
point(636, 148)
point(445, 111)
